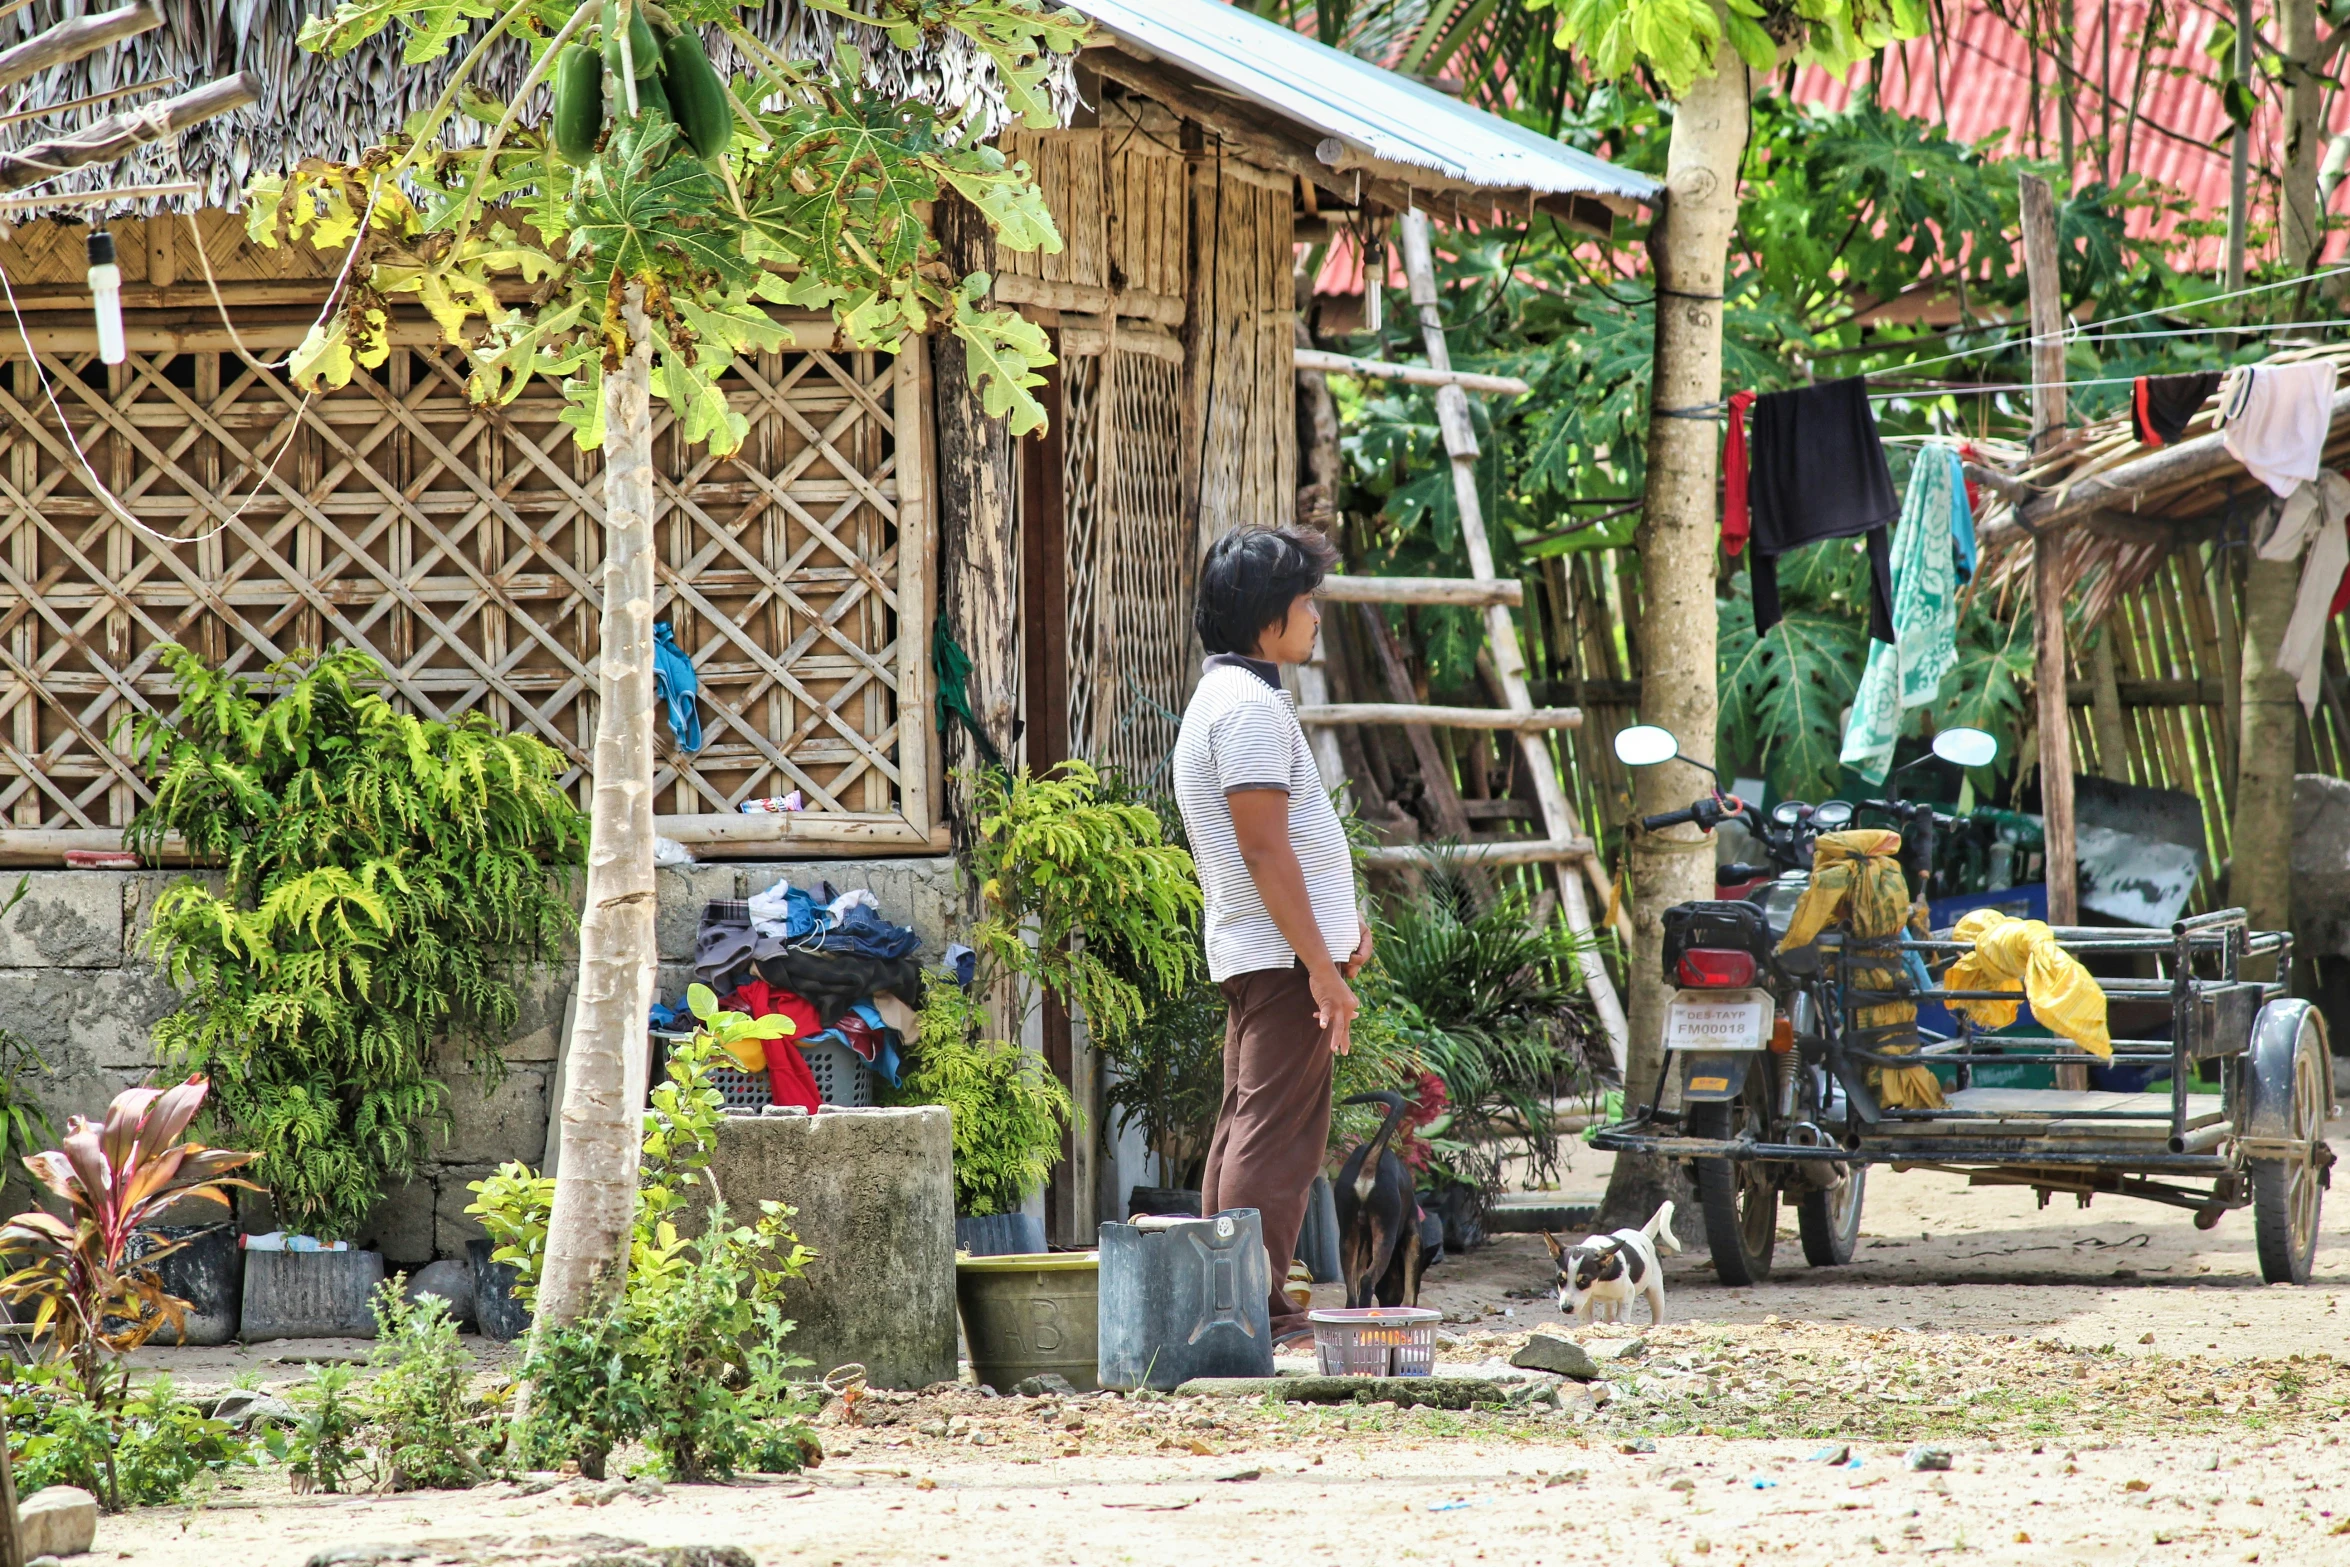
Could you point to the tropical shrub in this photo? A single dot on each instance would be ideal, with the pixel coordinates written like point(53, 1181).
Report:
point(690, 1361)
point(322, 1448)
point(1009, 1111)
point(422, 1432)
point(89, 1300)
point(1489, 1001)
point(137, 1446)
point(1083, 896)
point(375, 882)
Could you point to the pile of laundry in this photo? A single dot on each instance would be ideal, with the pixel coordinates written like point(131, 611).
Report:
point(828, 961)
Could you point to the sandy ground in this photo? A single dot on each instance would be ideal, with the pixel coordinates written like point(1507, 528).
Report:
point(2111, 1385)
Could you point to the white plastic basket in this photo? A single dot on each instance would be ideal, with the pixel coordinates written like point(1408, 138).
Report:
point(1375, 1341)
point(842, 1078)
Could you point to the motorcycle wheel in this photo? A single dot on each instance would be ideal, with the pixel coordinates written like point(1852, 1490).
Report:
point(1740, 1204)
point(1830, 1220)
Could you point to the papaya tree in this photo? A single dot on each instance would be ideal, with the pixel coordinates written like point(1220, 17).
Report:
point(1710, 57)
point(623, 236)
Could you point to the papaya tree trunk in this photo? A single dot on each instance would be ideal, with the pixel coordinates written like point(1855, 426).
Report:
point(2260, 871)
point(1676, 548)
point(2306, 88)
point(606, 1064)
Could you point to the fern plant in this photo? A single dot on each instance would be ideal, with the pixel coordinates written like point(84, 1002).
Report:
point(1008, 1110)
point(1069, 874)
point(375, 882)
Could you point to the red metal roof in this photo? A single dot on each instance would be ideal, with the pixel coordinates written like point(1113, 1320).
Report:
point(1981, 86)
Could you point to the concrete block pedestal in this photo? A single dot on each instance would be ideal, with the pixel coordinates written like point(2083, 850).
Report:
point(875, 1195)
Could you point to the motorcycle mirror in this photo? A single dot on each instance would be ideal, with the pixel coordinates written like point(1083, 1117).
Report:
point(1965, 747)
point(1645, 745)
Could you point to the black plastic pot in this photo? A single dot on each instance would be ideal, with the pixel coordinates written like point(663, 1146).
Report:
point(1000, 1235)
point(310, 1294)
point(495, 1310)
point(1162, 1199)
point(208, 1273)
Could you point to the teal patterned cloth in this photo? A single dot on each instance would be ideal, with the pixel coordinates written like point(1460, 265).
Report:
point(1907, 672)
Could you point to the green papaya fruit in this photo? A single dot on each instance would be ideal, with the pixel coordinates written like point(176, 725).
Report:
point(643, 48)
point(697, 97)
point(579, 103)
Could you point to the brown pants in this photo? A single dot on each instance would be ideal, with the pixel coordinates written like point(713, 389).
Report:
point(1273, 1129)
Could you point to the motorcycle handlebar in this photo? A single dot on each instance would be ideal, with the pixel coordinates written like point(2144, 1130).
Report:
point(1668, 819)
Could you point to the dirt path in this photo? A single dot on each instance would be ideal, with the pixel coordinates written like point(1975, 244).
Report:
point(2113, 1386)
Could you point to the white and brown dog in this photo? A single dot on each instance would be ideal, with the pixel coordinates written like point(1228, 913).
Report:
point(1601, 1276)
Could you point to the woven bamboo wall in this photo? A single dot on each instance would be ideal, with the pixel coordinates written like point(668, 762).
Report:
point(461, 548)
point(1178, 398)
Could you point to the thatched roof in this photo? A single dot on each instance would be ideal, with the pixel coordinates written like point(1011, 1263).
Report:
point(315, 107)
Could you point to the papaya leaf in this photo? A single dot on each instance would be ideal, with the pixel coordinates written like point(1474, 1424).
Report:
point(1784, 694)
point(1001, 352)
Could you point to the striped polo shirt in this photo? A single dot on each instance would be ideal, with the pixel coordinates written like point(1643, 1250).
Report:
point(1241, 732)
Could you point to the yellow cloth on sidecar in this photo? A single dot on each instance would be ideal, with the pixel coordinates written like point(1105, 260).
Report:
point(1855, 875)
point(2063, 994)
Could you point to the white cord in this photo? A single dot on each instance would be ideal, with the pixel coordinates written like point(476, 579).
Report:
point(2074, 330)
point(90, 474)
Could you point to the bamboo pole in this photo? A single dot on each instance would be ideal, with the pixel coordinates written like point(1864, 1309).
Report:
point(2048, 653)
point(1422, 590)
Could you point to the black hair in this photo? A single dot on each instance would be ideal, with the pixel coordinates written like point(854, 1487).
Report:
point(1250, 579)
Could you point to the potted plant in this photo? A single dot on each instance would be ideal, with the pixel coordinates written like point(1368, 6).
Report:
point(93, 1293)
point(370, 884)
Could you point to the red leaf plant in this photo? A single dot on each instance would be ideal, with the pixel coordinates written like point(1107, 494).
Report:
point(115, 1180)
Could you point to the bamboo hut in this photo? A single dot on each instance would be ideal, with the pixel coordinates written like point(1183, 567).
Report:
point(193, 495)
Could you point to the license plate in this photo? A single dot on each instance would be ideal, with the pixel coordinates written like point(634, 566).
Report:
point(1719, 1020)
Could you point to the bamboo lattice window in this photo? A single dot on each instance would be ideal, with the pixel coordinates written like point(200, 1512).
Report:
point(462, 548)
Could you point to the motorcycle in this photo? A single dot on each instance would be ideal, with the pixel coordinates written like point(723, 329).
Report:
point(1747, 1031)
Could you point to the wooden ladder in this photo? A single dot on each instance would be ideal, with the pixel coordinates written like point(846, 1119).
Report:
point(1564, 847)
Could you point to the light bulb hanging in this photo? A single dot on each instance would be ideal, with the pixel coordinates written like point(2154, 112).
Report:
point(106, 295)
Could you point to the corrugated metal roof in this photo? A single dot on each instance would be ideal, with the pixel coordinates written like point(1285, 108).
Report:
point(1982, 85)
point(1375, 111)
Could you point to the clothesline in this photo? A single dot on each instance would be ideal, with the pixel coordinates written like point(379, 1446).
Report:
point(2076, 329)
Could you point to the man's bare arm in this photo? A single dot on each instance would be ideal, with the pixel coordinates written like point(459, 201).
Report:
point(1260, 820)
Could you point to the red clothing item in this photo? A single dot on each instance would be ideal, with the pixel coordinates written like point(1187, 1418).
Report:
point(2342, 588)
point(1735, 524)
point(756, 998)
point(789, 1082)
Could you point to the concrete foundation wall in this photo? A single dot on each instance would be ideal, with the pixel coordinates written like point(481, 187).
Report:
point(77, 983)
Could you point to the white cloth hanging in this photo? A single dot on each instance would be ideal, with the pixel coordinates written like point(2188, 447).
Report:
point(2274, 420)
point(2302, 653)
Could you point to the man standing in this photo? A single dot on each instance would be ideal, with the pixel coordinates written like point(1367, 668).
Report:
point(1284, 934)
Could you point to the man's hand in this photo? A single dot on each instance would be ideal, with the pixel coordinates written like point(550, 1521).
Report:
point(1335, 1006)
point(1362, 952)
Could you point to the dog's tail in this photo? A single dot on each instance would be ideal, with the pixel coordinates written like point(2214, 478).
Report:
point(1362, 1166)
point(1660, 1230)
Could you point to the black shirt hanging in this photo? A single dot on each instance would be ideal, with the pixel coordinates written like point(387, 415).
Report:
point(1817, 471)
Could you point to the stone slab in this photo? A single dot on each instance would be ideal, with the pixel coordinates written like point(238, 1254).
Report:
point(874, 1190)
point(507, 1122)
point(452, 1226)
point(683, 889)
point(80, 1018)
point(1425, 1392)
point(67, 919)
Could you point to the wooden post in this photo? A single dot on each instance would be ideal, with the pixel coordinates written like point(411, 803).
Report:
point(1501, 627)
point(11, 1547)
point(2048, 672)
point(1044, 636)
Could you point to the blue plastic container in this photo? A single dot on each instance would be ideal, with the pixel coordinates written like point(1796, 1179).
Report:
point(1184, 1301)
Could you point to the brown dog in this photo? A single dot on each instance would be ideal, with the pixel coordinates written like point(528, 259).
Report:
point(1378, 1216)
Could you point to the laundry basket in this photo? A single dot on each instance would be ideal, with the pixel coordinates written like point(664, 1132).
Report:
point(742, 1090)
point(1375, 1341)
point(841, 1075)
